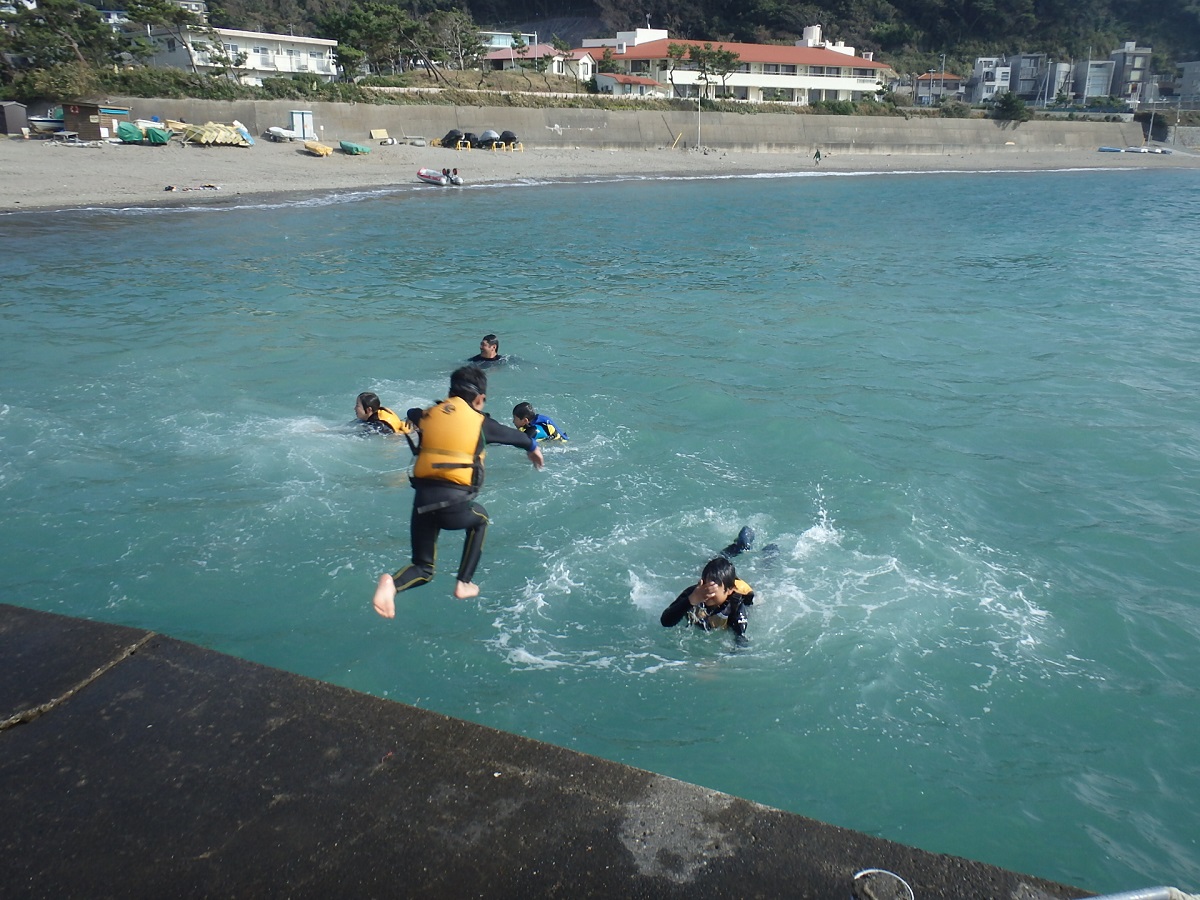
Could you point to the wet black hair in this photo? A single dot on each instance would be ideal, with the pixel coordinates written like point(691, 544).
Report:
point(720, 571)
point(468, 382)
point(369, 400)
point(491, 340)
point(523, 411)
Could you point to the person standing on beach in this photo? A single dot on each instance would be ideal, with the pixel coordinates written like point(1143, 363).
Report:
point(817, 157)
point(489, 353)
point(447, 475)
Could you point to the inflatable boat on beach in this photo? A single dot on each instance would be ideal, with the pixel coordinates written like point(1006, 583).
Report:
point(433, 176)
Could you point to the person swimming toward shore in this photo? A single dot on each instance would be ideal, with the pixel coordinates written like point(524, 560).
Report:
point(719, 599)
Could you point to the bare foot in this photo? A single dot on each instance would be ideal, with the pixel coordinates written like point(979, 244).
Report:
point(464, 590)
point(385, 596)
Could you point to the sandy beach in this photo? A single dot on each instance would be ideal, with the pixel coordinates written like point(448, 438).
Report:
point(42, 174)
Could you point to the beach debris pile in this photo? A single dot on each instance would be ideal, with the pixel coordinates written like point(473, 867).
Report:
point(485, 140)
point(214, 134)
point(150, 131)
point(202, 187)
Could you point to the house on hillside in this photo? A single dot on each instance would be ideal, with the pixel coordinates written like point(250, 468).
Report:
point(1092, 79)
point(1033, 77)
point(627, 85)
point(1131, 73)
point(808, 72)
point(1188, 87)
point(934, 86)
point(266, 55)
point(577, 64)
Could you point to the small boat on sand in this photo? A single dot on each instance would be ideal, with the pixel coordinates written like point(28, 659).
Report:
point(433, 176)
point(354, 149)
point(45, 124)
point(317, 148)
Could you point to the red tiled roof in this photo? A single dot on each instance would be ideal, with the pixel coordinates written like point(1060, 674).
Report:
point(628, 79)
point(751, 53)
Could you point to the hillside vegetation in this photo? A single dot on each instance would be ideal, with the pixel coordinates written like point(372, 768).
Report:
point(910, 34)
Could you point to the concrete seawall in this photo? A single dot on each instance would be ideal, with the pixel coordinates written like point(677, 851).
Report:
point(589, 128)
point(135, 765)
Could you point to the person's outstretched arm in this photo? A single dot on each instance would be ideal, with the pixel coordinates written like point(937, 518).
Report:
point(495, 433)
point(674, 613)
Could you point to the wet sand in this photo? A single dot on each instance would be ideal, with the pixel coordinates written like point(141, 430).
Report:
point(41, 174)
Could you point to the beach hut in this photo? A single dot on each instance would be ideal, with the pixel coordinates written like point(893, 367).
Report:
point(93, 121)
point(12, 117)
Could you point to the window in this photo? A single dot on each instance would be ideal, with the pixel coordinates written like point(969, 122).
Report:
point(770, 69)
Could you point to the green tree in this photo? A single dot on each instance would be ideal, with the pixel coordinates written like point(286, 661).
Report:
point(219, 55)
point(607, 63)
point(676, 54)
point(55, 33)
point(520, 47)
point(724, 63)
point(171, 17)
point(456, 38)
point(1011, 108)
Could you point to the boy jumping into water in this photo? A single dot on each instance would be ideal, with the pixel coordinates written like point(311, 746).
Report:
point(447, 475)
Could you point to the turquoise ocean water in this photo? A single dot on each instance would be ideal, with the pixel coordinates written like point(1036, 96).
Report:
point(965, 406)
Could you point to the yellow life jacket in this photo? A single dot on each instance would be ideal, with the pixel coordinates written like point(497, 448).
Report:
point(710, 618)
point(452, 444)
point(393, 421)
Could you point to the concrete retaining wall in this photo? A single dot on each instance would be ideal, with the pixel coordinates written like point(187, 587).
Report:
point(591, 128)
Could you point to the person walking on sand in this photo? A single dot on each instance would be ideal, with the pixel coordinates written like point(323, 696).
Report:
point(817, 157)
point(447, 475)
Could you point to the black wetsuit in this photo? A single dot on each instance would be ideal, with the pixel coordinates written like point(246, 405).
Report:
point(443, 505)
point(483, 362)
point(734, 609)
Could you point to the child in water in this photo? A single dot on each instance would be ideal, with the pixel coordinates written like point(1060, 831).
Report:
point(539, 427)
point(375, 418)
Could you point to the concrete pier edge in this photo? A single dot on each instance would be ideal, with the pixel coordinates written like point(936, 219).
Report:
point(136, 765)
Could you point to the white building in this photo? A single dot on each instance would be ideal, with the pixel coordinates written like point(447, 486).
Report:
point(800, 74)
point(1189, 85)
point(1092, 78)
point(627, 85)
point(577, 64)
point(990, 78)
point(503, 40)
point(1131, 73)
point(267, 55)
